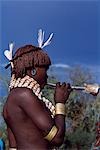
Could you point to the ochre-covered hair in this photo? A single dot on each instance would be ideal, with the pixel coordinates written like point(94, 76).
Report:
point(29, 57)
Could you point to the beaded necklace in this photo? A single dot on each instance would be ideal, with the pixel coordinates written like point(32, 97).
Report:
point(32, 84)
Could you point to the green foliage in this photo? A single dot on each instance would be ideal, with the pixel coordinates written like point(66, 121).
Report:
point(81, 138)
point(5, 81)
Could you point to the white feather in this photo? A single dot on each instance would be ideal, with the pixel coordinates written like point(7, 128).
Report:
point(11, 46)
point(48, 41)
point(40, 37)
point(8, 53)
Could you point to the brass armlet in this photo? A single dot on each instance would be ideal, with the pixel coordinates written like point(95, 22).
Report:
point(60, 109)
point(51, 134)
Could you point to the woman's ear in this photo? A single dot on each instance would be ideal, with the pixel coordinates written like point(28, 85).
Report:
point(33, 72)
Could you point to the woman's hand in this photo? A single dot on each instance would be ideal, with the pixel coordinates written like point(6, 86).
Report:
point(62, 92)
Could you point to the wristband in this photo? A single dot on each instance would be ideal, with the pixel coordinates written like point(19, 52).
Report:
point(60, 109)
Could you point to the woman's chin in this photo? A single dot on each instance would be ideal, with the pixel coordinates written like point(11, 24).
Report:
point(42, 85)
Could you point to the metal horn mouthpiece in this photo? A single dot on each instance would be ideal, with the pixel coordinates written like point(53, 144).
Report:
point(89, 88)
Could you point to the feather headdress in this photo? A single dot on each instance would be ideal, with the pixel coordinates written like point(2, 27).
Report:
point(41, 42)
point(8, 53)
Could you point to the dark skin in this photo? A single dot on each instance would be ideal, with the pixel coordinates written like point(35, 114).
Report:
point(29, 120)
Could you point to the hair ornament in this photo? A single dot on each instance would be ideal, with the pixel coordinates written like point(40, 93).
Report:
point(8, 53)
point(41, 42)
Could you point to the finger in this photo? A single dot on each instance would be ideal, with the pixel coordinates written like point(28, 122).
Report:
point(63, 84)
point(58, 84)
point(68, 86)
point(94, 94)
point(70, 90)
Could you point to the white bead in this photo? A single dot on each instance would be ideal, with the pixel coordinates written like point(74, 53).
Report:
point(35, 87)
point(26, 77)
point(46, 104)
point(50, 104)
point(34, 90)
point(43, 98)
point(13, 77)
point(17, 82)
point(36, 94)
point(12, 83)
point(38, 90)
point(52, 116)
point(31, 85)
point(39, 96)
point(21, 83)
